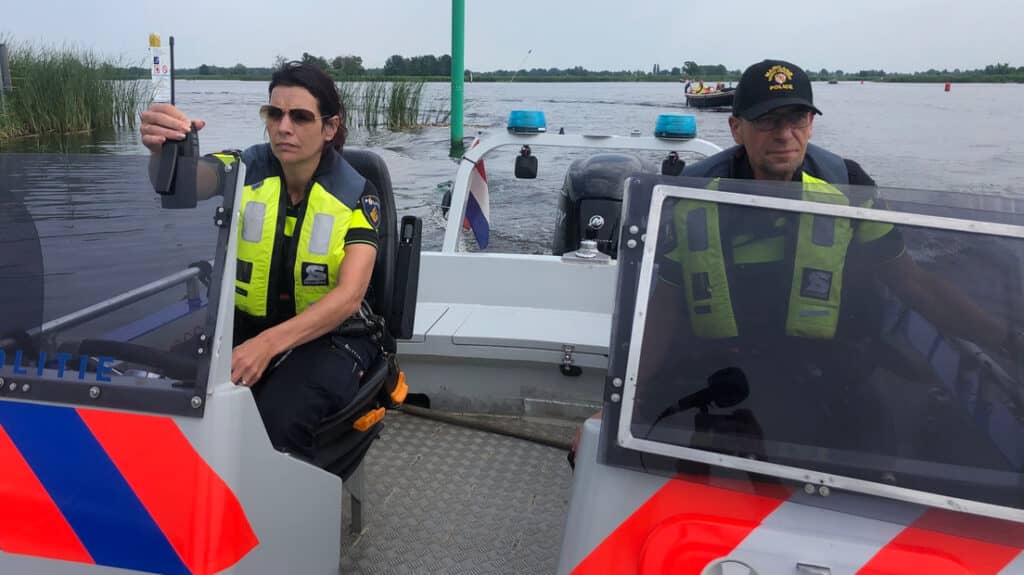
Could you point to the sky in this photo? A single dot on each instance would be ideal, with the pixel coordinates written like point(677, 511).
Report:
point(894, 35)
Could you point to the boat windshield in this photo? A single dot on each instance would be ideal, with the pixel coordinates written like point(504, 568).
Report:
point(103, 292)
point(861, 333)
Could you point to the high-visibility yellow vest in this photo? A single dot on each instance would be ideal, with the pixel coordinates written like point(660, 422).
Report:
point(821, 246)
point(334, 205)
point(822, 241)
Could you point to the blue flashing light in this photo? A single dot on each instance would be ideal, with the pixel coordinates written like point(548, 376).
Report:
point(676, 127)
point(527, 122)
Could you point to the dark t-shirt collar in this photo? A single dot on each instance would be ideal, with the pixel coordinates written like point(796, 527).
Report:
point(741, 167)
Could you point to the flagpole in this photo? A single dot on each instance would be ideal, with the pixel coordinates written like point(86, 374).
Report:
point(457, 75)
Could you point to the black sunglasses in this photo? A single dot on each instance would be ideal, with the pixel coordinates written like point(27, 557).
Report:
point(300, 116)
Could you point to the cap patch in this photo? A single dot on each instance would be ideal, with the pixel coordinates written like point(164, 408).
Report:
point(780, 78)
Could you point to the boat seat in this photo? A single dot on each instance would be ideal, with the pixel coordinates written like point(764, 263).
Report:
point(342, 439)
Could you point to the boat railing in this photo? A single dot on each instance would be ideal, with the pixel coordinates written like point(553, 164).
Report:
point(492, 141)
point(191, 277)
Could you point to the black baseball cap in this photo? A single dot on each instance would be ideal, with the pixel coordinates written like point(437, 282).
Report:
point(771, 84)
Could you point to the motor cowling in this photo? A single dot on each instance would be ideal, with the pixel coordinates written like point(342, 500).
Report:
point(591, 200)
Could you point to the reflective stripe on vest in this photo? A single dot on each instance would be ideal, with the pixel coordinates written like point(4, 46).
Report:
point(816, 287)
point(320, 246)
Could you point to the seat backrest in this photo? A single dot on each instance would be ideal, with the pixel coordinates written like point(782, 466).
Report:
point(382, 284)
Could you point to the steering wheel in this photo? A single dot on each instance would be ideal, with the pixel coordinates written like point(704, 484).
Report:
point(172, 365)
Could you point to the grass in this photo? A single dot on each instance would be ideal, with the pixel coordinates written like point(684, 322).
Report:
point(65, 91)
point(57, 91)
point(396, 106)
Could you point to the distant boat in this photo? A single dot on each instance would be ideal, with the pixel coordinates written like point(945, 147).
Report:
point(718, 99)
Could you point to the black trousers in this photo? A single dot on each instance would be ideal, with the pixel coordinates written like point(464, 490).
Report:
point(315, 380)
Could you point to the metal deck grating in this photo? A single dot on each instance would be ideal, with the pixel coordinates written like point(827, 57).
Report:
point(444, 499)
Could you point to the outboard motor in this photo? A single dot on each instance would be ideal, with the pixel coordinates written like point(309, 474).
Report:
point(590, 202)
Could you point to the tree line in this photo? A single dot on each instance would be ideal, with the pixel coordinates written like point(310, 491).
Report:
point(993, 71)
point(438, 68)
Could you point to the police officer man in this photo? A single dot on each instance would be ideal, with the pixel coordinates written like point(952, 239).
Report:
point(774, 293)
point(772, 123)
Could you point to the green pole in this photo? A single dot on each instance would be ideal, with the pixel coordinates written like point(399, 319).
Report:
point(458, 74)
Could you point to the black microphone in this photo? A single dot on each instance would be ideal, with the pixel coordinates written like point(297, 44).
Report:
point(726, 387)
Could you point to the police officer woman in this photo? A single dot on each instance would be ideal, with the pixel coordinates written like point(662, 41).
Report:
point(307, 244)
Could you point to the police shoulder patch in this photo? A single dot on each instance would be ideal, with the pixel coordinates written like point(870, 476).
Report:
point(371, 209)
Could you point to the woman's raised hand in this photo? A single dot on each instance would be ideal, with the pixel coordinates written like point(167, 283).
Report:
point(162, 122)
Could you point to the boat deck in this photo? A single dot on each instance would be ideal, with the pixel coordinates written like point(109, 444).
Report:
point(442, 498)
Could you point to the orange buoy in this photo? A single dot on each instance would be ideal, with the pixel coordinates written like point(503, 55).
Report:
point(947, 86)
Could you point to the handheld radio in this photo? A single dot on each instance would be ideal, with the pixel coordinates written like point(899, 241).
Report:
point(176, 174)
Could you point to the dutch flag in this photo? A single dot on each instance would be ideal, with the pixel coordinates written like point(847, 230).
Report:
point(478, 208)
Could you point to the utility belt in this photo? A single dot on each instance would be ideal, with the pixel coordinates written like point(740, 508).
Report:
point(366, 323)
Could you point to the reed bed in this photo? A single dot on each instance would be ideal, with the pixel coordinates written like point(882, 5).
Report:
point(59, 91)
point(396, 106)
point(66, 91)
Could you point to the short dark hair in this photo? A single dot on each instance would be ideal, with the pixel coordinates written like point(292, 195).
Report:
point(321, 86)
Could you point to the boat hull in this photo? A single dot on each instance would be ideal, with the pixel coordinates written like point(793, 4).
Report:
point(716, 100)
point(497, 344)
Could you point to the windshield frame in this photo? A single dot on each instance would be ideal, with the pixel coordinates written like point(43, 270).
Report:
point(638, 256)
point(164, 395)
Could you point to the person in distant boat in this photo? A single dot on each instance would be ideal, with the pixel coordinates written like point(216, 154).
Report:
point(307, 247)
point(770, 285)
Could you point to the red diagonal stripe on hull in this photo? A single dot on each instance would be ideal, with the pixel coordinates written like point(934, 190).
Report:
point(195, 509)
point(947, 543)
point(30, 522)
point(684, 526)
